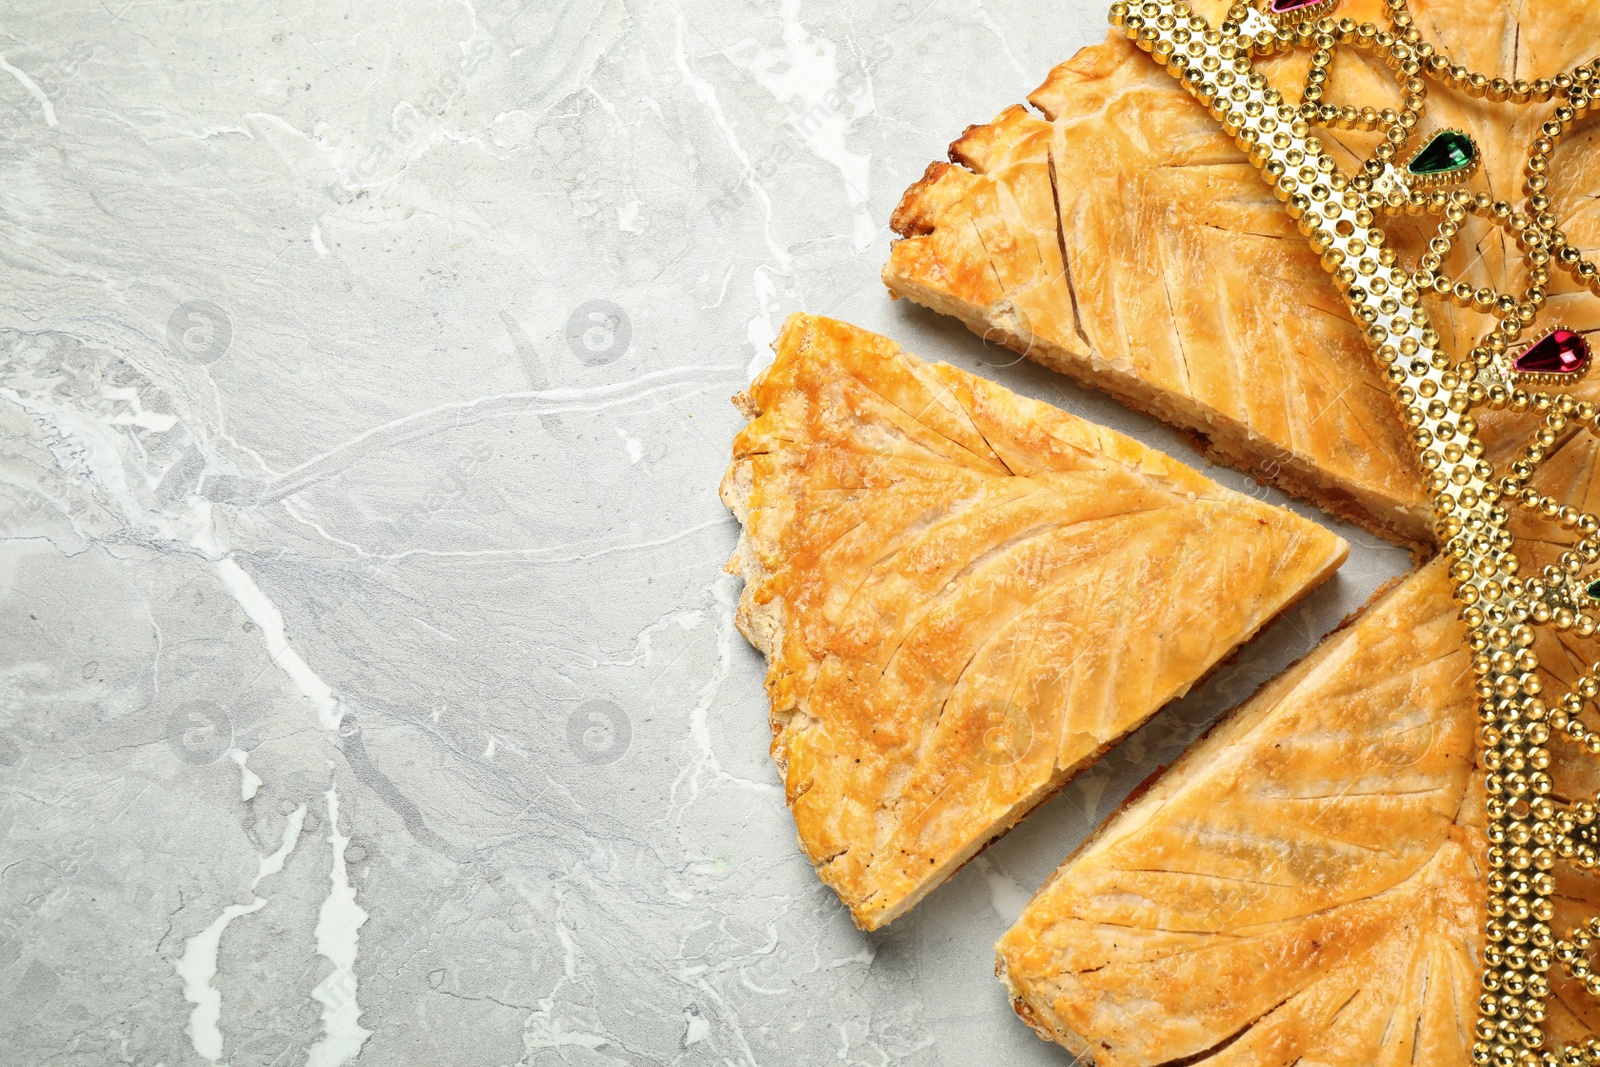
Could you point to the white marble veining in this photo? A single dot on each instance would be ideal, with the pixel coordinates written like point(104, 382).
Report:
point(369, 690)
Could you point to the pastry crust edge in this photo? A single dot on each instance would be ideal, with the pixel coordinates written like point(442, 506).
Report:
point(763, 625)
point(1215, 435)
point(1040, 1018)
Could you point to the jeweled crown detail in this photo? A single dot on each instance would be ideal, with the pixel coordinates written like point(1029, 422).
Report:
point(1529, 831)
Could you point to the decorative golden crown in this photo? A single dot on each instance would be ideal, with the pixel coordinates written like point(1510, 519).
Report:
point(1529, 831)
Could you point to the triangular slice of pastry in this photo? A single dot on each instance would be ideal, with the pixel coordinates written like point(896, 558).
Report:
point(1305, 884)
point(964, 596)
point(1120, 237)
point(1117, 234)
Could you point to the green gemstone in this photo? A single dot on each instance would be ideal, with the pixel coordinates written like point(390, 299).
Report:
point(1445, 153)
point(1593, 589)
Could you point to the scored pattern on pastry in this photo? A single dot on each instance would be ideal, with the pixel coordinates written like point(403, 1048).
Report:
point(1305, 885)
point(1121, 238)
point(965, 595)
point(1540, 824)
point(1186, 291)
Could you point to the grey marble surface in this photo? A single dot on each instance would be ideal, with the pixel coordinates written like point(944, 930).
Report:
point(369, 691)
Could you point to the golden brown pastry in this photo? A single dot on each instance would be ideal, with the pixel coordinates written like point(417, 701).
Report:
point(1304, 884)
point(1118, 235)
point(1303, 887)
point(965, 595)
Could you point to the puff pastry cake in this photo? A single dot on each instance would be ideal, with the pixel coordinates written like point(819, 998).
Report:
point(965, 595)
point(1303, 885)
point(1115, 233)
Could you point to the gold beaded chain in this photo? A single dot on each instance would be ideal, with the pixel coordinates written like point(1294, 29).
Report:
point(1528, 831)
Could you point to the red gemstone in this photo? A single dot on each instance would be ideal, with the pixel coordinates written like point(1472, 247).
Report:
point(1557, 352)
point(1284, 7)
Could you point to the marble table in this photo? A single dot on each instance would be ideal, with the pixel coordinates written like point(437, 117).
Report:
point(369, 690)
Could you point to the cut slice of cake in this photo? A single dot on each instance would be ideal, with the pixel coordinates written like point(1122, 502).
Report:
point(1118, 235)
point(1304, 885)
point(965, 595)
point(1123, 239)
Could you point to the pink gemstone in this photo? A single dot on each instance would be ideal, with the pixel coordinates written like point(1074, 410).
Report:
point(1558, 352)
point(1284, 7)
